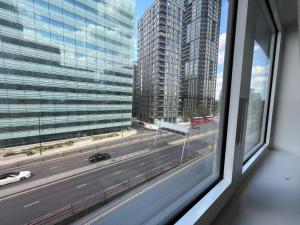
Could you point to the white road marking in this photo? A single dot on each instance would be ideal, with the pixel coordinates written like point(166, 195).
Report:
point(141, 164)
point(163, 156)
point(85, 159)
point(80, 186)
point(117, 172)
point(31, 204)
point(52, 168)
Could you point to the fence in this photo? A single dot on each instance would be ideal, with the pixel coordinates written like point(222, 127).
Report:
point(103, 196)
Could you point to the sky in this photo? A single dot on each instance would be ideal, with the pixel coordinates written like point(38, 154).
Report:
point(260, 65)
point(141, 7)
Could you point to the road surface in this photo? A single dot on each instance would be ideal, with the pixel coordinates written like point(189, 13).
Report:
point(25, 207)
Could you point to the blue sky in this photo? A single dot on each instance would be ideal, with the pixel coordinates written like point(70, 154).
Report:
point(141, 6)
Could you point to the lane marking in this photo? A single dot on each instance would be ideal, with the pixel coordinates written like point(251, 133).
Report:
point(80, 186)
point(26, 191)
point(117, 172)
point(148, 135)
point(163, 156)
point(85, 160)
point(141, 164)
point(33, 203)
point(52, 168)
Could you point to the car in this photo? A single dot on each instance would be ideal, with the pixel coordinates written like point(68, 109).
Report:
point(99, 157)
point(12, 177)
point(141, 123)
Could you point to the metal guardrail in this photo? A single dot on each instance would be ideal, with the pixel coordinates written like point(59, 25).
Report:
point(100, 197)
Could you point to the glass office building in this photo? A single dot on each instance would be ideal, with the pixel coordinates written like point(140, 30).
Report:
point(66, 68)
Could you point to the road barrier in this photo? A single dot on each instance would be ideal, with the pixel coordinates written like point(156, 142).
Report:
point(103, 196)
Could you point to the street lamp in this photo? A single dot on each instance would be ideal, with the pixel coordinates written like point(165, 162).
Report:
point(40, 135)
point(122, 125)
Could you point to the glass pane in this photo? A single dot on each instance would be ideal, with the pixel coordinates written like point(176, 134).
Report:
point(260, 77)
point(75, 107)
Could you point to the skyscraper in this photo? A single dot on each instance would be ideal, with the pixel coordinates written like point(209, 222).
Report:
point(185, 42)
point(159, 59)
point(66, 68)
point(201, 27)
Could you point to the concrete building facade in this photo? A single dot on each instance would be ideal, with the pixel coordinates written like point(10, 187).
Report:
point(200, 43)
point(159, 60)
point(177, 59)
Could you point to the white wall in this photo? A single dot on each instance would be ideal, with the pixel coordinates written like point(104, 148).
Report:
point(286, 123)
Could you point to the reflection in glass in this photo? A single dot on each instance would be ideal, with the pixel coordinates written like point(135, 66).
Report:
point(260, 76)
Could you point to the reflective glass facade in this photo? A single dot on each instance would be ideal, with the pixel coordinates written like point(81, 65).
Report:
point(66, 68)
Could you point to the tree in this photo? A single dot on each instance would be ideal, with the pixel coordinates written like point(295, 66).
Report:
point(200, 111)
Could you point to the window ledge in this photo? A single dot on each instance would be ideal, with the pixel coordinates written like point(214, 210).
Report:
point(195, 214)
point(254, 159)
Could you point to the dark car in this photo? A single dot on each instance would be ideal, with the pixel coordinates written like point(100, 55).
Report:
point(99, 157)
point(141, 123)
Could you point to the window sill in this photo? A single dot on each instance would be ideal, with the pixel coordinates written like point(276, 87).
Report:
point(205, 209)
point(254, 159)
point(196, 213)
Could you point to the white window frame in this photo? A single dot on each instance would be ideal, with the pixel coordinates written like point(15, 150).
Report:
point(205, 211)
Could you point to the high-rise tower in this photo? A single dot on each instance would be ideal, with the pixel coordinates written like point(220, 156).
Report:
point(201, 28)
point(159, 59)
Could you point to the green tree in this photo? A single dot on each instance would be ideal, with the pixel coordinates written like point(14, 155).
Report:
point(200, 111)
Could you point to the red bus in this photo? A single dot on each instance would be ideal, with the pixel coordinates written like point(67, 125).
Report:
point(209, 119)
point(198, 121)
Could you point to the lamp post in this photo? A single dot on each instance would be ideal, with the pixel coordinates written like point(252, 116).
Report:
point(40, 135)
point(122, 126)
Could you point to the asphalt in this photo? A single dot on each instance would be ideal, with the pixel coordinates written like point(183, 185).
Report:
point(53, 167)
point(142, 133)
point(25, 207)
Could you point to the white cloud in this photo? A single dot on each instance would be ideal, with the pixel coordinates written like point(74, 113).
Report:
point(219, 86)
point(220, 74)
point(259, 78)
point(256, 47)
point(221, 55)
point(222, 41)
point(259, 84)
point(260, 70)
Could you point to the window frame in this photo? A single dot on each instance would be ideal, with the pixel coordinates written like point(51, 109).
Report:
point(240, 29)
point(266, 109)
point(235, 171)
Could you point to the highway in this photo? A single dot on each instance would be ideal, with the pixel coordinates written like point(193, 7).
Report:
point(52, 167)
point(143, 133)
point(27, 206)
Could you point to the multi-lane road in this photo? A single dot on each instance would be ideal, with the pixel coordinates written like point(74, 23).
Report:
point(23, 208)
point(52, 167)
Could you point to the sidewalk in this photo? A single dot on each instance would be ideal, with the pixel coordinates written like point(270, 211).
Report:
point(77, 147)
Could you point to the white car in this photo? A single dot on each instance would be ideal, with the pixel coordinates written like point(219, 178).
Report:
point(12, 177)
